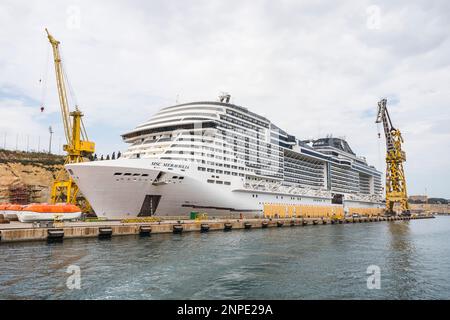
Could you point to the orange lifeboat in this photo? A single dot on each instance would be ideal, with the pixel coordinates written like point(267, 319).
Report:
point(45, 212)
point(10, 210)
point(14, 207)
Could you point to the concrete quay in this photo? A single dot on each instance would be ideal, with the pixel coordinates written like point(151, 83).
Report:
point(17, 231)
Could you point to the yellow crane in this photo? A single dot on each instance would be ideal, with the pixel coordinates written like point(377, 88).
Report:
point(395, 156)
point(78, 147)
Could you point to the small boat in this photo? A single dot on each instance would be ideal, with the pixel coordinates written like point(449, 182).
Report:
point(48, 212)
point(9, 210)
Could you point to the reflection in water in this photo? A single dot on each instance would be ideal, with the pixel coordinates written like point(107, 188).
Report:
point(400, 259)
point(322, 262)
point(401, 243)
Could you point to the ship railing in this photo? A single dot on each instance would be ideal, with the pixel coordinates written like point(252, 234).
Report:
point(288, 190)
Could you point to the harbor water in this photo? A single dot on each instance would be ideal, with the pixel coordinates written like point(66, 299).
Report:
point(311, 262)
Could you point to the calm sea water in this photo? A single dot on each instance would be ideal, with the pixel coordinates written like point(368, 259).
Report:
point(313, 262)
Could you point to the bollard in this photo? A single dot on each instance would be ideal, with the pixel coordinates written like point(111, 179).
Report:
point(104, 232)
point(55, 234)
point(145, 231)
point(177, 228)
point(204, 227)
point(227, 226)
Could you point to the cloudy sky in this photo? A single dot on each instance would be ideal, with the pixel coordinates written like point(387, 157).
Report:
point(312, 67)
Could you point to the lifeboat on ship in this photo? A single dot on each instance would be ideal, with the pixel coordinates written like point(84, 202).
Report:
point(9, 210)
point(47, 212)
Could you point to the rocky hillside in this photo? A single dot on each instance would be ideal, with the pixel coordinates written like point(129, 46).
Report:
point(27, 176)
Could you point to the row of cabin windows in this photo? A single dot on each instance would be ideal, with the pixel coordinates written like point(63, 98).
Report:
point(219, 182)
point(292, 198)
point(211, 163)
point(131, 174)
point(141, 175)
point(220, 171)
point(299, 199)
point(247, 118)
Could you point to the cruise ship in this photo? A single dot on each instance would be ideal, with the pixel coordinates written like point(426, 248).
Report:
point(225, 160)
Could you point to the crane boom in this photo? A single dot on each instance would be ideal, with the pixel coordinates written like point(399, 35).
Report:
point(395, 156)
point(63, 102)
point(78, 147)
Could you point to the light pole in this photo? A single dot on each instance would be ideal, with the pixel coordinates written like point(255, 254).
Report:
point(50, 142)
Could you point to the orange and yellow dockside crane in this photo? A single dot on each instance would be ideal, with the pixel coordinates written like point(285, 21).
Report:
point(78, 146)
point(395, 156)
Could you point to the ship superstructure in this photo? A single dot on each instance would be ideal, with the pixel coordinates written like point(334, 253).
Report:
point(223, 159)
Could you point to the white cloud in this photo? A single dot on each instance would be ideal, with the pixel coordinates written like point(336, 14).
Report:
point(311, 67)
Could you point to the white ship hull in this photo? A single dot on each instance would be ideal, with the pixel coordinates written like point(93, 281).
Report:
point(119, 196)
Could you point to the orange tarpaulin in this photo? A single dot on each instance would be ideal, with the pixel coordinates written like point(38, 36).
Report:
point(304, 210)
